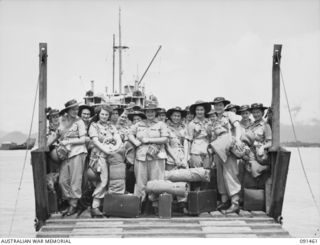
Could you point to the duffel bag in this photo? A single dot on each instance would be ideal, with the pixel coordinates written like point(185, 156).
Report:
point(117, 171)
point(162, 186)
point(188, 175)
point(117, 186)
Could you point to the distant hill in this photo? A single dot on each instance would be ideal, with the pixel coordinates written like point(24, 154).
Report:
point(16, 137)
point(305, 133)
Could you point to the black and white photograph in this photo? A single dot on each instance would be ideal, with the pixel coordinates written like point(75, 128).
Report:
point(159, 119)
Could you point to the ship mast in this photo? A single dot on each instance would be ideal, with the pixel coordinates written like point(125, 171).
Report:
point(113, 59)
point(120, 54)
point(120, 47)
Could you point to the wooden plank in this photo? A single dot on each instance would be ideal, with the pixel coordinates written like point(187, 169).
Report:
point(190, 235)
point(207, 230)
point(231, 236)
point(39, 171)
point(155, 220)
point(42, 139)
point(226, 229)
point(275, 104)
point(279, 183)
point(95, 236)
point(222, 223)
point(205, 215)
point(172, 226)
point(96, 231)
point(216, 214)
point(244, 213)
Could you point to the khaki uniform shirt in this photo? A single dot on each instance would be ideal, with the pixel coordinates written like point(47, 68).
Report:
point(227, 120)
point(261, 130)
point(199, 133)
point(102, 132)
point(76, 130)
point(176, 140)
point(147, 129)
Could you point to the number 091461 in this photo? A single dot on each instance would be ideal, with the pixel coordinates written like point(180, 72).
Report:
point(313, 241)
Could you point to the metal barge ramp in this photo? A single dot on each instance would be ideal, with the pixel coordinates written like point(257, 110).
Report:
point(210, 225)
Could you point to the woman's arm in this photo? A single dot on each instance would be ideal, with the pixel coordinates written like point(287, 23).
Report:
point(99, 145)
point(134, 140)
point(160, 140)
point(52, 138)
point(74, 141)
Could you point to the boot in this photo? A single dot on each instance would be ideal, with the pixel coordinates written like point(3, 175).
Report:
point(96, 213)
point(72, 210)
point(183, 208)
point(224, 205)
point(234, 208)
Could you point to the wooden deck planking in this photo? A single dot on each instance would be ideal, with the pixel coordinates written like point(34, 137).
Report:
point(215, 224)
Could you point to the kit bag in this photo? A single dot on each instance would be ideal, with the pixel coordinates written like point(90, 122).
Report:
point(202, 201)
point(188, 175)
point(165, 206)
point(121, 205)
point(254, 200)
point(162, 186)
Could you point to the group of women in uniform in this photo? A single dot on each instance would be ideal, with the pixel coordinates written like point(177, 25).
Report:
point(158, 141)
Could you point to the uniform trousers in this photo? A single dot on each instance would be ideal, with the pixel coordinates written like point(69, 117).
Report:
point(70, 178)
point(145, 171)
point(227, 176)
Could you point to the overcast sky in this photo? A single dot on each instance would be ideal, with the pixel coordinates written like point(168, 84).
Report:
point(209, 49)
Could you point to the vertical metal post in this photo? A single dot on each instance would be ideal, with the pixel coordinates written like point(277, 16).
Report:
point(43, 54)
point(276, 96)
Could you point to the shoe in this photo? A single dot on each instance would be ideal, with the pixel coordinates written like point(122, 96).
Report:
point(234, 208)
point(96, 213)
point(223, 205)
point(72, 210)
point(65, 211)
point(156, 211)
point(183, 208)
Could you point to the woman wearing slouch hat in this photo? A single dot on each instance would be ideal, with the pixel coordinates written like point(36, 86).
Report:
point(198, 134)
point(175, 146)
point(72, 133)
point(100, 131)
point(228, 183)
point(150, 137)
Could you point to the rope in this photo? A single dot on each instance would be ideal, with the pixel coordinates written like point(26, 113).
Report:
point(295, 137)
point(25, 158)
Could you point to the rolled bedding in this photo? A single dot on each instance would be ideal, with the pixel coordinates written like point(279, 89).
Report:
point(162, 186)
point(188, 175)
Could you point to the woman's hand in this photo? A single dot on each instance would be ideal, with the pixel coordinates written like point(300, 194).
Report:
point(87, 139)
point(145, 140)
point(64, 142)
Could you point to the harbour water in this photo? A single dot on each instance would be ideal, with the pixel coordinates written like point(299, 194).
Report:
point(300, 216)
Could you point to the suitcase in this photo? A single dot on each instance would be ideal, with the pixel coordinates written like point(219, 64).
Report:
point(202, 201)
point(165, 205)
point(121, 205)
point(254, 200)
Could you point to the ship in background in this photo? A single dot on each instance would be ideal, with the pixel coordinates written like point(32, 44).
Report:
point(127, 94)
